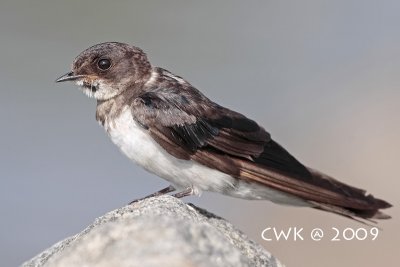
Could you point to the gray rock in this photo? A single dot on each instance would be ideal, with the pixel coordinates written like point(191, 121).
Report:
point(160, 231)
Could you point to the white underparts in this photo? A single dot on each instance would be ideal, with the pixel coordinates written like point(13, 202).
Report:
point(135, 142)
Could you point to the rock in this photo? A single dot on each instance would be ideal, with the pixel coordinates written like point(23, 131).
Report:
point(156, 232)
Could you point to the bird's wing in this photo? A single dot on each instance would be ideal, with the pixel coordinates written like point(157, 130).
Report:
point(189, 122)
point(191, 127)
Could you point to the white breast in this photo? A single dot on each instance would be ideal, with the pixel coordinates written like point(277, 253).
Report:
point(135, 142)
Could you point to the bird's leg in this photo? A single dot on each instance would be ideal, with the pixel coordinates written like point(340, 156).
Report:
point(158, 193)
point(187, 192)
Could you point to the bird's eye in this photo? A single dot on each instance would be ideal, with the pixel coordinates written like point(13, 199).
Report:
point(104, 64)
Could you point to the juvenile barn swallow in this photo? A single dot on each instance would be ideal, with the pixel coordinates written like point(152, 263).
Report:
point(164, 124)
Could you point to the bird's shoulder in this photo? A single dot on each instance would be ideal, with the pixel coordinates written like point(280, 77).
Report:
point(190, 126)
point(177, 114)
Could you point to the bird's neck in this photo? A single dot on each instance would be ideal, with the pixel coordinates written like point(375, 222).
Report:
point(109, 109)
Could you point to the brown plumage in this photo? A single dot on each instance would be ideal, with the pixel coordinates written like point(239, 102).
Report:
point(228, 141)
point(191, 127)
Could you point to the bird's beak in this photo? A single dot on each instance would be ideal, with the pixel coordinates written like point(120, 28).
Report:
point(68, 77)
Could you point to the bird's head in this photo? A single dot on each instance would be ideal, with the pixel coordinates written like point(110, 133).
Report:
point(107, 69)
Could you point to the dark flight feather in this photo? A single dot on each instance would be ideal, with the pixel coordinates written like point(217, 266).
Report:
point(191, 127)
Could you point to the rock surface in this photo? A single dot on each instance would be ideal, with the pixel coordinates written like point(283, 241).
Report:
point(156, 232)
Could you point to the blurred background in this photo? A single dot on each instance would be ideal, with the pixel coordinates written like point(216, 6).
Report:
point(321, 76)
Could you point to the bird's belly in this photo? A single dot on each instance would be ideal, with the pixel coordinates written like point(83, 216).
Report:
point(137, 144)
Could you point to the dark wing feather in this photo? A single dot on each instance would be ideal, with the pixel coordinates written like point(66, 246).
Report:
point(195, 123)
point(189, 126)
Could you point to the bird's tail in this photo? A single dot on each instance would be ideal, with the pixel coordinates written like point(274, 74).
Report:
point(369, 212)
point(320, 190)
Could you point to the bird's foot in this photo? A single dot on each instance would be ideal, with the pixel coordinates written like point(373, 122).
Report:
point(187, 192)
point(158, 193)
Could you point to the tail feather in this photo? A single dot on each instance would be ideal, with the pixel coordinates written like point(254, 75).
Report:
point(358, 216)
point(370, 211)
point(320, 190)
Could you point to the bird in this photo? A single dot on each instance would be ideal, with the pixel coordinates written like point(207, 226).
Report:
point(167, 126)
